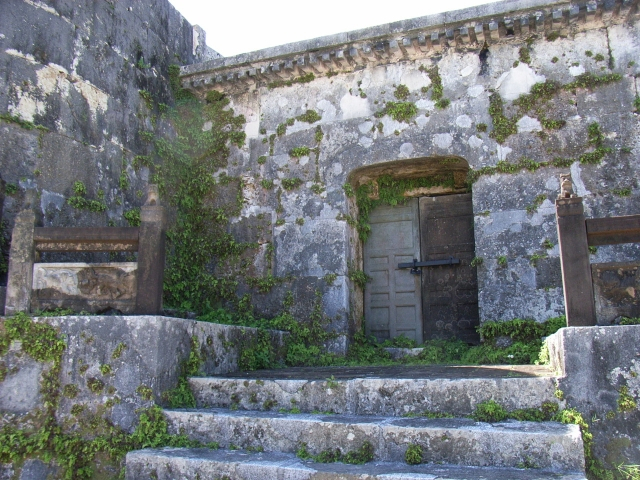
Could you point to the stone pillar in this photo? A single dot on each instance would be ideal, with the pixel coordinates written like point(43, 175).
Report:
point(574, 259)
point(21, 258)
point(150, 255)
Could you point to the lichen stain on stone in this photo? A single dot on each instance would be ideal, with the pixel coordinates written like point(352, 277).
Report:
point(52, 78)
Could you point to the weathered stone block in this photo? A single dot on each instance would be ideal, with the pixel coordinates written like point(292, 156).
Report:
point(617, 291)
point(94, 287)
point(600, 377)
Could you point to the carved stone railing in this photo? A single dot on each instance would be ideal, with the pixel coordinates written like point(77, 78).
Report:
point(131, 287)
point(575, 235)
point(403, 41)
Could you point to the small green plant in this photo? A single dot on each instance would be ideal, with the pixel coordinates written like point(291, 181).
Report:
point(414, 454)
point(626, 402)
point(306, 78)
point(262, 160)
point(310, 116)
point(524, 55)
point(145, 392)
point(11, 189)
point(636, 103)
point(142, 65)
point(291, 183)
point(317, 188)
point(527, 463)
point(598, 57)
point(555, 60)
point(502, 261)
point(552, 36)
point(300, 221)
point(280, 222)
point(330, 383)
point(95, 385)
point(329, 278)
point(477, 261)
point(133, 217)
point(357, 276)
point(539, 200)
point(481, 127)
point(401, 92)
point(593, 250)
point(298, 152)
point(78, 201)
point(105, 369)
point(70, 391)
point(399, 111)
point(146, 96)
point(267, 184)
point(319, 135)
point(629, 472)
point(622, 192)
point(489, 411)
point(629, 321)
point(117, 352)
point(547, 244)
point(533, 259)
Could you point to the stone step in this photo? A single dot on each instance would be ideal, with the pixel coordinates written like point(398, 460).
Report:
point(457, 441)
point(177, 463)
point(373, 396)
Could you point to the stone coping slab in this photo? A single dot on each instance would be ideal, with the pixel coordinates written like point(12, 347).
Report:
point(374, 32)
point(168, 463)
point(400, 371)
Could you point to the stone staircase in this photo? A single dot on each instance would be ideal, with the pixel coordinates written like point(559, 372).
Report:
point(261, 421)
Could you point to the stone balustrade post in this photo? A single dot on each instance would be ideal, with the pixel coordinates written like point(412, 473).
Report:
point(151, 255)
point(574, 260)
point(21, 259)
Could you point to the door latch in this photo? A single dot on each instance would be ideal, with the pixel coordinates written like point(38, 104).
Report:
point(415, 266)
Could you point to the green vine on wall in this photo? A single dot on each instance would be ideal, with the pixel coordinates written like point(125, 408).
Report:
point(185, 177)
point(595, 145)
point(390, 192)
point(536, 101)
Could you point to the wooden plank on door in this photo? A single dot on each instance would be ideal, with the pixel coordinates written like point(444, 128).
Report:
point(393, 304)
point(449, 292)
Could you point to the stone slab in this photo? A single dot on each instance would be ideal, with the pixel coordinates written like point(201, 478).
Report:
point(92, 287)
point(452, 440)
point(171, 463)
point(373, 396)
point(616, 287)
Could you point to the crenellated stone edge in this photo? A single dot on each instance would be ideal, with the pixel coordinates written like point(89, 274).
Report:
point(403, 41)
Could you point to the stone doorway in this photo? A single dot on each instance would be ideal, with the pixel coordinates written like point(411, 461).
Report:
point(434, 301)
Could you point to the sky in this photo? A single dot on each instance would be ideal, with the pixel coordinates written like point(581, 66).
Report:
point(235, 26)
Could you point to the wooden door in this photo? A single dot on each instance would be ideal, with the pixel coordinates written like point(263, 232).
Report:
point(393, 298)
point(449, 293)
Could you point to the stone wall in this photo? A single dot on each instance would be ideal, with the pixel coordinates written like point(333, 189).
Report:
point(127, 362)
point(600, 370)
point(73, 81)
point(501, 49)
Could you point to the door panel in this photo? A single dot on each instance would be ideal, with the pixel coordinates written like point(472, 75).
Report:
point(393, 303)
point(449, 293)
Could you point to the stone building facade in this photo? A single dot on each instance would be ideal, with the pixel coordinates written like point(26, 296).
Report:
point(508, 95)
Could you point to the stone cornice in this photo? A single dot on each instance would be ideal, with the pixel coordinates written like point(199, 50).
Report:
point(404, 40)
